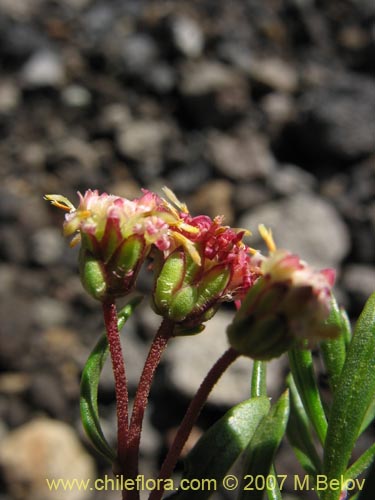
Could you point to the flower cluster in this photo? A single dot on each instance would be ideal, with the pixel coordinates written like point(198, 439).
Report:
point(194, 279)
point(198, 263)
point(116, 235)
point(288, 306)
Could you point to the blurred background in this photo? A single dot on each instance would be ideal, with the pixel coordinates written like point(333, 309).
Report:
point(262, 111)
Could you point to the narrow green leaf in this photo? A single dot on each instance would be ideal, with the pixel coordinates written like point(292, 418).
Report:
point(261, 450)
point(259, 379)
point(368, 418)
point(361, 464)
point(301, 365)
point(274, 493)
point(89, 388)
point(369, 485)
point(354, 394)
point(220, 446)
point(347, 328)
point(299, 432)
point(334, 351)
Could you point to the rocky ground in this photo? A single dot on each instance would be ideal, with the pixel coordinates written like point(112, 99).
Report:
point(258, 110)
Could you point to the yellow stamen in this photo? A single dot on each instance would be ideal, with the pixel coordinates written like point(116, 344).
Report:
point(266, 234)
point(59, 201)
point(246, 232)
point(186, 243)
point(75, 240)
point(173, 198)
point(188, 228)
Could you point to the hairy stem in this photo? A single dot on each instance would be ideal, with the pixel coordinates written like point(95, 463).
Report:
point(122, 398)
point(191, 417)
point(159, 343)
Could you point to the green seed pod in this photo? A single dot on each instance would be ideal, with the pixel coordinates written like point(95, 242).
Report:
point(92, 275)
point(187, 295)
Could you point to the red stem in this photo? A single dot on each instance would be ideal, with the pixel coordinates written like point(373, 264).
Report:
point(122, 398)
point(156, 350)
point(191, 417)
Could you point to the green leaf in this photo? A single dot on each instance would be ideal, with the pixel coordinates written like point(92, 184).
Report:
point(220, 446)
point(261, 450)
point(354, 394)
point(368, 418)
point(334, 351)
point(347, 329)
point(302, 368)
point(89, 388)
point(369, 485)
point(299, 432)
point(259, 379)
point(275, 492)
point(361, 464)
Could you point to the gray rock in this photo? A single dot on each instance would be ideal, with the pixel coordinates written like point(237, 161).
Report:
point(44, 449)
point(76, 96)
point(274, 73)
point(46, 393)
point(8, 278)
point(77, 4)
point(19, 9)
point(98, 21)
point(187, 36)
point(20, 40)
point(47, 246)
point(334, 119)
point(48, 312)
point(43, 69)
point(204, 77)
point(279, 108)
point(212, 94)
point(305, 224)
point(72, 149)
point(161, 78)
point(243, 157)
point(14, 348)
point(214, 198)
point(9, 96)
point(12, 245)
point(187, 179)
point(143, 139)
point(359, 281)
point(249, 195)
point(138, 53)
point(290, 179)
point(190, 358)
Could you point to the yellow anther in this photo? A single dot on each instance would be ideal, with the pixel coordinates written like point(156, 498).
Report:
point(266, 234)
point(59, 201)
point(173, 198)
point(189, 246)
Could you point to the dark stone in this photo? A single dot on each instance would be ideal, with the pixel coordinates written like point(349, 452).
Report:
point(186, 179)
point(333, 124)
point(46, 394)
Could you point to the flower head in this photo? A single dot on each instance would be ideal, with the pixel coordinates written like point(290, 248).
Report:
point(287, 306)
point(116, 235)
point(209, 264)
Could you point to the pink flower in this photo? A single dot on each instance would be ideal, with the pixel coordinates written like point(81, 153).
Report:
point(222, 245)
point(117, 235)
point(287, 306)
point(207, 264)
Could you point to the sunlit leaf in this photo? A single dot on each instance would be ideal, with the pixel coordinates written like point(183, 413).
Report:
point(221, 445)
point(354, 394)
